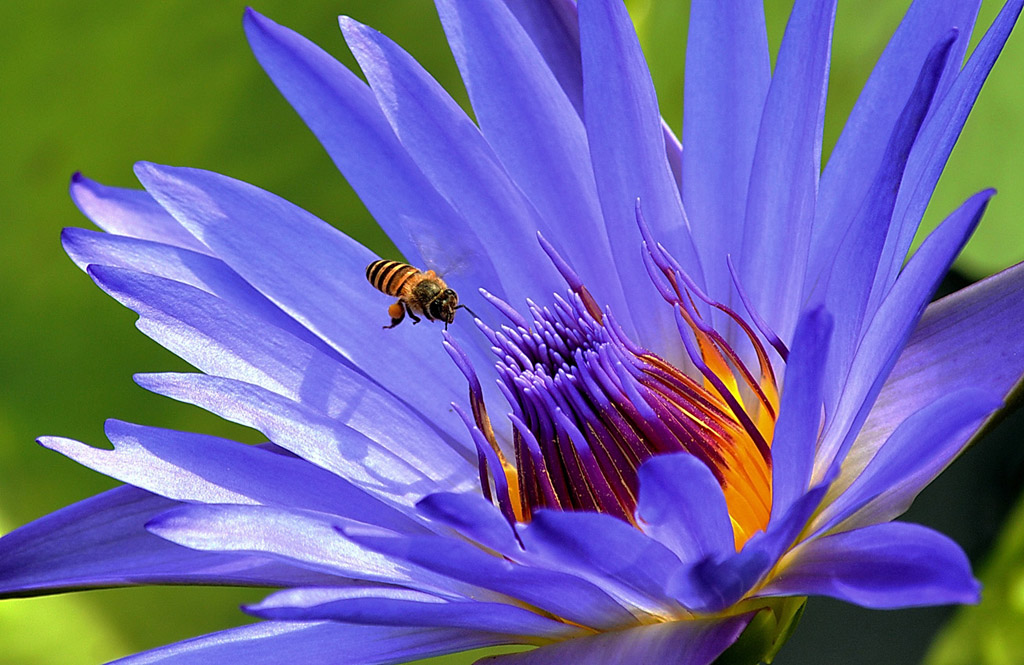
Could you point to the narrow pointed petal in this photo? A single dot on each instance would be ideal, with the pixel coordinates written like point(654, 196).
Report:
point(886, 566)
point(400, 476)
point(846, 289)
point(102, 542)
point(205, 469)
point(696, 642)
point(800, 413)
point(784, 178)
point(314, 643)
point(854, 160)
point(341, 110)
point(384, 606)
point(936, 143)
point(921, 447)
point(130, 212)
point(628, 152)
point(307, 539)
point(309, 269)
point(185, 266)
point(608, 552)
point(682, 506)
point(532, 126)
point(728, 72)
point(553, 27)
point(473, 517)
point(559, 593)
point(454, 155)
point(938, 361)
point(890, 328)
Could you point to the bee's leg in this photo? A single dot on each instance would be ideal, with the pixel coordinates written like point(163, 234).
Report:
point(397, 313)
point(415, 319)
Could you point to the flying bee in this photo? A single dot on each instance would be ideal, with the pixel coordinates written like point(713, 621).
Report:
point(418, 292)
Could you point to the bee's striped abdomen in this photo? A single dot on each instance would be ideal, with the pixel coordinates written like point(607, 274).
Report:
point(389, 276)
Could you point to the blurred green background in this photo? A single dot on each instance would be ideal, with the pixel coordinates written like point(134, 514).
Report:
point(96, 86)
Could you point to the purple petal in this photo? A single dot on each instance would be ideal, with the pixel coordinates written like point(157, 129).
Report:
point(181, 265)
point(559, 593)
point(101, 542)
point(727, 76)
point(553, 26)
point(968, 339)
point(889, 329)
point(714, 584)
point(197, 468)
point(403, 475)
point(311, 271)
point(458, 161)
point(854, 160)
point(681, 505)
point(936, 142)
point(784, 178)
point(606, 551)
point(678, 642)
point(473, 517)
point(846, 287)
point(799, 423)
point(628, 153)
point(310, 540)
point(920, 448)
point(384, 606)
point(535, 131)
point(223, 339)
point(315, 643)
point(130, 212)
point(342, 112)
point(885, 566)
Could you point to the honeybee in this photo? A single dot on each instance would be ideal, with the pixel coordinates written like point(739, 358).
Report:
point(418, 292)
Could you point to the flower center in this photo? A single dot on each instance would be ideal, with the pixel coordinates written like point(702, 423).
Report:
point(589, 407)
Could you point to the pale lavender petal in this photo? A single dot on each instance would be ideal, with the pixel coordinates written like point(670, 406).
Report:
point(198, 468)
point(800, 411)
point(920, 448)
point(784, 177)
point(313, 272)
point(388, 606)
point(130, 212)
point(403, 475)
point(854, 160)
point(970, 339)
point(102, 542)
point(885, 566)
point(727, 76)
point(308, 539)
point(682, 506)
point(340, 109)
point(695, 642)
point(315, 643)
point(185, 266)
point(628, 152)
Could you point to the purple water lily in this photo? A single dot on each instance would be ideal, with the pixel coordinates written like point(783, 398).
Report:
point(701, 382)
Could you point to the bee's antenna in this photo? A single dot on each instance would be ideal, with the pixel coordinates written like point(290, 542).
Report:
point(468, 310)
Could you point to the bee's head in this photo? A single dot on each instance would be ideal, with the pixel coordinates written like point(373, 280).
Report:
point(443, 307)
